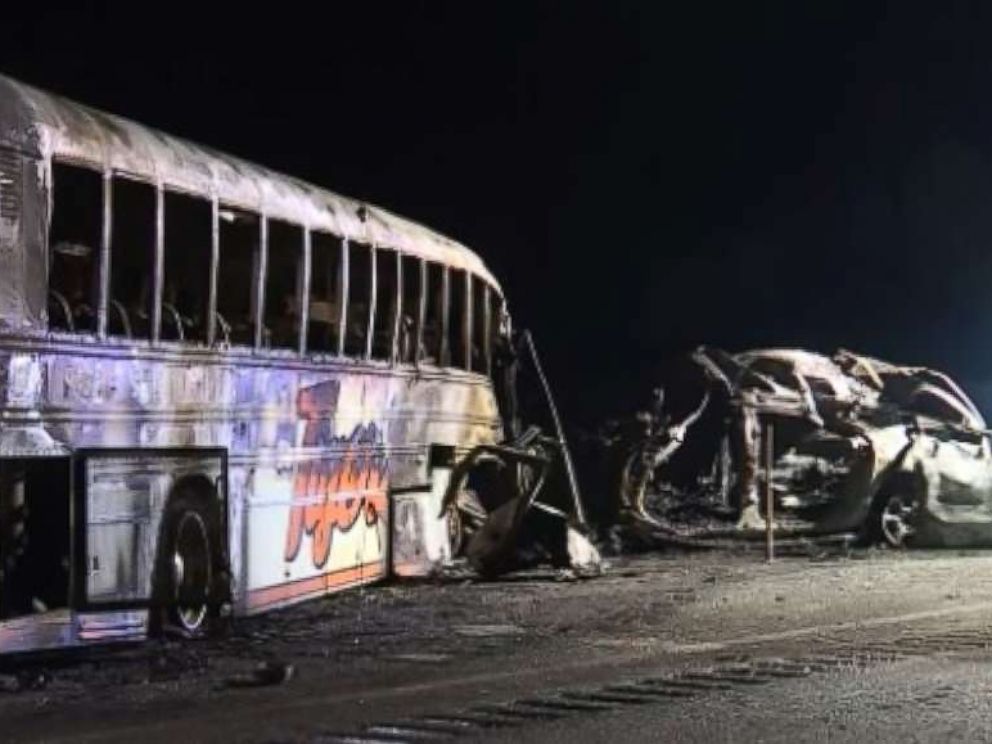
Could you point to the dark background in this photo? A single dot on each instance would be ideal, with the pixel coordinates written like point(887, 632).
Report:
point(641, 179)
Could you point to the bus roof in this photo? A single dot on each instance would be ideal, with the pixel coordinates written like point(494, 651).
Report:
point(46, 125)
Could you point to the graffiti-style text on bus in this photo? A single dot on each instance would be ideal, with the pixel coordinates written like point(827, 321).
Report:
point(333, 494)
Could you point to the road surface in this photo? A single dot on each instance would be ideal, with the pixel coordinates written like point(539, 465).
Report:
point(868, 645)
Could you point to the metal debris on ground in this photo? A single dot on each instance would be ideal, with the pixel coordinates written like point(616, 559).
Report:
point(28, 679)
point(265, 674)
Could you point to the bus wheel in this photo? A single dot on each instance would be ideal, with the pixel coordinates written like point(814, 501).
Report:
point(188, 567)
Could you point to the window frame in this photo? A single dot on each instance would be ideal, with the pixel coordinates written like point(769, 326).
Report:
point(421, 314)
point(444, 355)
point(413, 265)
point(302, 289)
point(125, 175)
point(396, 306)
point(419, 304)
point(103, 276)
point(254, 300)
point(363, 354)
point(458, 331)
point(339, 285)
point(163, 189)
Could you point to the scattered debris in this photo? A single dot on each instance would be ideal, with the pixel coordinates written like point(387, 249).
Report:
point(265, 674)
point(29, 679)
point(895, 454)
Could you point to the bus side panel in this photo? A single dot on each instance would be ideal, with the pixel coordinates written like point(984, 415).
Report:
point(317, 520)
point(23, 262)
point(314, 451)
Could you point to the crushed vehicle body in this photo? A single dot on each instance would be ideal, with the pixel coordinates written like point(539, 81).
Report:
point(517, 503)
point(893, 453)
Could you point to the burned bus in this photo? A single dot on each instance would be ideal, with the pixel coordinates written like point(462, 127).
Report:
point(222, 390)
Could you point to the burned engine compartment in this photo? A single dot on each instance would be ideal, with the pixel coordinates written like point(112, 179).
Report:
point(890, 453)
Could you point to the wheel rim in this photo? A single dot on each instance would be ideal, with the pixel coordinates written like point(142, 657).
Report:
point(191, 571)
point(455, 534)
point(896, 521)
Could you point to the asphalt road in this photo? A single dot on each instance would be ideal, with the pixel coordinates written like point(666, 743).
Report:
point(706, 647)
point(941, 698)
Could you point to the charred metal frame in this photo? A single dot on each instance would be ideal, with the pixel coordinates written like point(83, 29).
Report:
point(397, 310)
point(103, 303)
point(263, 271)
point(78, 522)
point(467, 324)
point(373, 299)
point(163, 393)
point(303, 289)
point(487, 330)
point(214, 271)
point(345, 270)
point(444, 359)
point(159, 278)
point(421, 314)
point(304, 281)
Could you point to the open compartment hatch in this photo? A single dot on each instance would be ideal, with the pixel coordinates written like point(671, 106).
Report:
point(35, 535)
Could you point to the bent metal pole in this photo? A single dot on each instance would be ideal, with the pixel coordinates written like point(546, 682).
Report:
point(769, 495)
point(573, 482)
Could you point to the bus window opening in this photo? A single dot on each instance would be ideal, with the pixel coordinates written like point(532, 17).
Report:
point(283, 286)
point(406, 344)
point(74, 247)
point(497, 325)
point(385, 304)
point(434, 316)
point(237, 269)
point(186, 284)
point(132, 258)
point(325, 293)
point(480, 335)
point(457, 320)
point(359, 296)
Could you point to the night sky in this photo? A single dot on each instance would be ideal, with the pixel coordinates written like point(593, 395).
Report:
point(641, 179)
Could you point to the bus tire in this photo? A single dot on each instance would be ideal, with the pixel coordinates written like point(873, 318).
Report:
point(188, 581)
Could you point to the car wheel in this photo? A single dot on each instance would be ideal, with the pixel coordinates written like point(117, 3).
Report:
point(895, 520)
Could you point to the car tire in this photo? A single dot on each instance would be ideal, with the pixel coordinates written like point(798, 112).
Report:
point(891, 519)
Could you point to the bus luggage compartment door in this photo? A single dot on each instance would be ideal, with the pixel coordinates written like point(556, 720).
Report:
point(35, 552)
point(120, 500)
